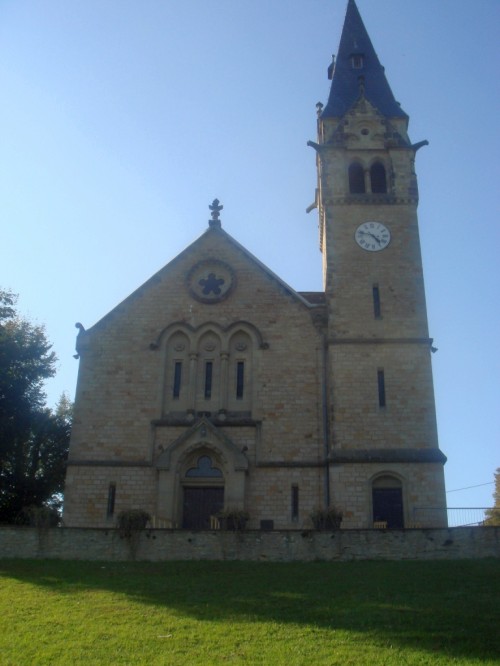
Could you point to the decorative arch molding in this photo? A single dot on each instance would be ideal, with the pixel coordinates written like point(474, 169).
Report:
point(203, 434)
point(384, 474)
point(368, 177)
point(209, 369)
point(195, 333)
point(201, 439)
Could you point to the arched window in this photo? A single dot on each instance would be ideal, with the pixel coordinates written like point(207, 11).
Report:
point(177, 373)
point(356, 179)
point(387, 501)
point(210, 370)
point(208, 394)
point(378, 179)
point(240, 372)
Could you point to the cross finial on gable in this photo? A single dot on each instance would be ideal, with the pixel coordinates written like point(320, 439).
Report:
point(216, 208)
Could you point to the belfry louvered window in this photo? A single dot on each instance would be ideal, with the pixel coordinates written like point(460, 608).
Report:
point(356, 179)
point(378, 178)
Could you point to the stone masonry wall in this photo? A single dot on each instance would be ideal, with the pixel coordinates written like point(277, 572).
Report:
point(276, 546)
point(124, 422)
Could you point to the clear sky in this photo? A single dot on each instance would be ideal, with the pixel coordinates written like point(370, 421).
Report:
point(121, 120)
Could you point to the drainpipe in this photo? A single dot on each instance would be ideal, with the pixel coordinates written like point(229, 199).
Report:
point(326, 426)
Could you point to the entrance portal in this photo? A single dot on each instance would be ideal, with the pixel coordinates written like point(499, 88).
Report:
point(199, 504)
point(388, 506)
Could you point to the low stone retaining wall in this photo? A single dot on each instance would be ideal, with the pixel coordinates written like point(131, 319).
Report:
point(276, 546)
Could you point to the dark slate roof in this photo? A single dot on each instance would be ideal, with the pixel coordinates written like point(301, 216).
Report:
point(345, 88)
point(314, 297)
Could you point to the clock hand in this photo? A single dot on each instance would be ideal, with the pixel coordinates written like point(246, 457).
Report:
point(375, 238)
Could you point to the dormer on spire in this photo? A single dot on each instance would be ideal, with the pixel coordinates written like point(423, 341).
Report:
point(356, 57)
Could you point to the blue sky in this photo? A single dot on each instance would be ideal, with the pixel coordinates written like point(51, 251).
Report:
point(121, 120)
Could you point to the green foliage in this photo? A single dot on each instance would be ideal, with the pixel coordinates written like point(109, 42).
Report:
point(40, 517)
point(326, 519)
point(34, 440)
point(233, 519)
point(130, 521)
point(258, 613)
point(493, 515)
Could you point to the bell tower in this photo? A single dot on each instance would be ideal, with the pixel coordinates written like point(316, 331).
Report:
point(383, 443)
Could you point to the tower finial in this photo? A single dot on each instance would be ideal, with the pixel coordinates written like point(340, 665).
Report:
point(216, 208)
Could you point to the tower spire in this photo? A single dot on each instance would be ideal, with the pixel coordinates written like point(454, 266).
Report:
point(357, 58)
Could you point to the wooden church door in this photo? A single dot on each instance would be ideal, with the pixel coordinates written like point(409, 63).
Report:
point(388, 506)
point(199, 504)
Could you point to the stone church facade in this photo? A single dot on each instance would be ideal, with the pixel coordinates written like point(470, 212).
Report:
point(217, 386)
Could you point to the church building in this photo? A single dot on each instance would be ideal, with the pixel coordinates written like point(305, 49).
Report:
point(216, 386)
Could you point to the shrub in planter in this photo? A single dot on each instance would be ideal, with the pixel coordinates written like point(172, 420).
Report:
point(132, 520)
point(326, 519)
point(233, 519)
point(131, 523)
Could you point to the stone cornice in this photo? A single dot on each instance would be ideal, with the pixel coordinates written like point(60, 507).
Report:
point(291, 463)
point(229, 420)
point(107, 463)
point(367, 199)
point(381, 341)
point(387, 456)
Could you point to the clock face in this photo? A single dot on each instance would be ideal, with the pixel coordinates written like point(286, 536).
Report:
point(372, 236)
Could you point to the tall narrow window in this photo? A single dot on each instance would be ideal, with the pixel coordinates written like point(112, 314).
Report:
point(381, 388)
point(240, 379)
point(208, 379)
point(356, 179)
point(376, 302)
point(111, 500)
point(176, 389)
point(295, 502)
point(177, 379)
point(377, 178)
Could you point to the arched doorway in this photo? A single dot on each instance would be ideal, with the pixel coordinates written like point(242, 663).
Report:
point(387, 501)
point(203, 492)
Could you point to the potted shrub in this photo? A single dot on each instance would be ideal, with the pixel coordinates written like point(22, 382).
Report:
point(131, 520)
point(326, 519)
point(233, 519)
point(130, 524)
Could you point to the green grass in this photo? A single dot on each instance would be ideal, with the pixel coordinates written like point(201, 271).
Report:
point(55, 612)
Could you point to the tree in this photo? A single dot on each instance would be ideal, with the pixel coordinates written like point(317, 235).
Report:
point(493, 515)
point(33, 439)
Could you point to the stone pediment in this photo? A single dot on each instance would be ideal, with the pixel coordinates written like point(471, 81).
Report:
point(203, 434)
point(202, 274)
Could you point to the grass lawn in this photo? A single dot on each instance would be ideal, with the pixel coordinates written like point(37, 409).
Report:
point(55, 612)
